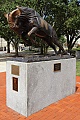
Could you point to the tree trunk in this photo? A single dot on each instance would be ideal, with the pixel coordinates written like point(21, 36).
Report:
point(8, 47)
point(69, 43)
point(45, 49)
point(42, 49)
point(16, 49)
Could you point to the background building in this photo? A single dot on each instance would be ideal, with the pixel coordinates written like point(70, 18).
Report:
point(3, 44)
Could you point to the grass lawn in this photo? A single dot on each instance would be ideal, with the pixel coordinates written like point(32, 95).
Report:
point(78, 67)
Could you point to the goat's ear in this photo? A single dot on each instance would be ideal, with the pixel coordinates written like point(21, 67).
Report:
point(6, 15)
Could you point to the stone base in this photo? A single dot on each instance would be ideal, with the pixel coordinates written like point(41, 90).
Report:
point(32, 86)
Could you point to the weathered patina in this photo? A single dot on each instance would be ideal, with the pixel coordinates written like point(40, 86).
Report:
point(26, 21)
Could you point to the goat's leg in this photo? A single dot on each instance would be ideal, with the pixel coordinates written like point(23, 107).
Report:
point(33, 30)
point(33, 41)
point(24, 35)
point(54, 39)
point(56, 42)
point(50, 43)
point(53, 46)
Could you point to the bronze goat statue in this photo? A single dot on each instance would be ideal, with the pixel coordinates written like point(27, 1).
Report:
point(26, 21)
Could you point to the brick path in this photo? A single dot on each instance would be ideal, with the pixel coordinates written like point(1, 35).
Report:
point(65, 109)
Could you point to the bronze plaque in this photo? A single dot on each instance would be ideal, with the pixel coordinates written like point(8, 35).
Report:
point(14, 69)
point(57, 67)
point(15, 84)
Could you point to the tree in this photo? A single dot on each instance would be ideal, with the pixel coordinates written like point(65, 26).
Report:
point(66, 20)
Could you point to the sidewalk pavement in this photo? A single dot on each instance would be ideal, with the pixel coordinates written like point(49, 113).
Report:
point(2, 66)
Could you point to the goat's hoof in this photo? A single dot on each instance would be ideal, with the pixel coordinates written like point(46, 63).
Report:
point(29, 34)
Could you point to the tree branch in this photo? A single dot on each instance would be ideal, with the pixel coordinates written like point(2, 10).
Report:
point(75, 41)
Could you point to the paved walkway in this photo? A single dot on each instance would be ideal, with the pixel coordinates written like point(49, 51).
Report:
point(2, 66)
point(65, 109)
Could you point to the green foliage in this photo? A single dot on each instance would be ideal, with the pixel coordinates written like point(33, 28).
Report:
point(62, 39)
point(78, 49)
point(78, 68)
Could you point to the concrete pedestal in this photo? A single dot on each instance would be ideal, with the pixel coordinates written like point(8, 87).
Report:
point(32, 86)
